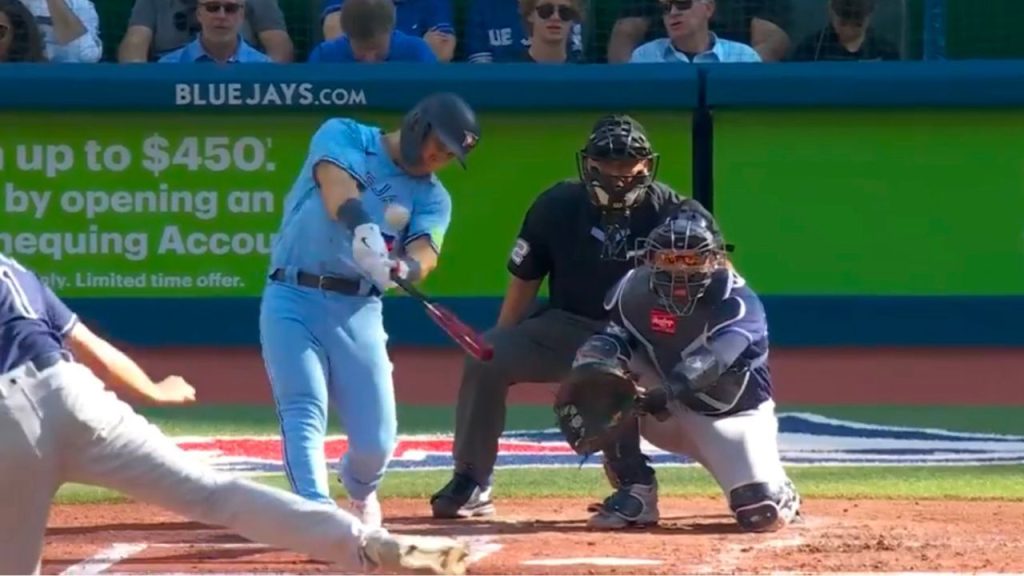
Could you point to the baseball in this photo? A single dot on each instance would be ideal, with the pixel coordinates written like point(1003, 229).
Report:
point(397, 216)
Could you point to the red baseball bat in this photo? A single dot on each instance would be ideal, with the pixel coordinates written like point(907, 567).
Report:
point(463, 335)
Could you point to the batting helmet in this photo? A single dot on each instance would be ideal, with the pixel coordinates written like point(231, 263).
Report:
point(449, 118)
point(616, 137)
point(683, 253)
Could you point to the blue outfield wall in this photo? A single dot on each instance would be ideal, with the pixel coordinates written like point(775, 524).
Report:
point(796, 320)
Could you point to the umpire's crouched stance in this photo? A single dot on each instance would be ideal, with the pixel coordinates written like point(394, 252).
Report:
point(579, 233)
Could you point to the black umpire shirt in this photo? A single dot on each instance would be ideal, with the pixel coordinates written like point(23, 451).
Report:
point(561, 237)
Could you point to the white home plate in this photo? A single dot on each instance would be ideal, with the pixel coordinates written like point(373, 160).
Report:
point(593, 561)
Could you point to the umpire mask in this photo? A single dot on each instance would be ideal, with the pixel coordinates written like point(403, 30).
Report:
point(617, 165)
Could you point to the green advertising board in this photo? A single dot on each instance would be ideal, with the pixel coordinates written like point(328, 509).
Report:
point(874, 202)
point(169, 205)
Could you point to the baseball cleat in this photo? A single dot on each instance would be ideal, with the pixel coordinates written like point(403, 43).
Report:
point(368, 511)
point(416, 554)
point(462, 497)
point(630, 506)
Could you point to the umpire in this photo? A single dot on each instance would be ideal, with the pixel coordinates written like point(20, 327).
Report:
point(580, 235)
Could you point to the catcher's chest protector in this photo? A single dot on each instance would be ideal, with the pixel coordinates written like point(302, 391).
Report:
point(660, 332)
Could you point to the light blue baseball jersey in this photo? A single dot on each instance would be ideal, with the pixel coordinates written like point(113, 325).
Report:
point(312, 241)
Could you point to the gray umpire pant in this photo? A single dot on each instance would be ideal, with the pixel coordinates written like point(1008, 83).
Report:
point(539, 349)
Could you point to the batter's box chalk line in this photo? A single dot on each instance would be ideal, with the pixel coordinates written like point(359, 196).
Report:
point(480, 547)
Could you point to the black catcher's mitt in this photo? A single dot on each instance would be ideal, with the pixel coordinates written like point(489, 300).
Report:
point(592, 402)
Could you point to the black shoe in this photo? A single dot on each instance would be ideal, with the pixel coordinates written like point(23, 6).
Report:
point(462, 497)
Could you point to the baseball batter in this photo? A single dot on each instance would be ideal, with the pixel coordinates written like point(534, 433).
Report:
point(696, 336)
point(339, 244)
point(58, 424)
point(579, 235)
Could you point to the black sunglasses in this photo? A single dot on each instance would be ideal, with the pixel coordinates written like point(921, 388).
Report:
point(681, 5)
point(565, 13)
point(228, 7)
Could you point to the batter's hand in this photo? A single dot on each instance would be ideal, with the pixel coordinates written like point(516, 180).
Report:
point(175, 390)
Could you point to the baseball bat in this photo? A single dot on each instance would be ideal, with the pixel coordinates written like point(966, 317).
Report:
point(397, 217)
point(467, 338)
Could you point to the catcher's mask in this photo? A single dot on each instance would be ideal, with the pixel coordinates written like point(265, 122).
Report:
point(683, 253)
point(617, 165)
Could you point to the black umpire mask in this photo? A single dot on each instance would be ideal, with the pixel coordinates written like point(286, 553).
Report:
point(607, 167)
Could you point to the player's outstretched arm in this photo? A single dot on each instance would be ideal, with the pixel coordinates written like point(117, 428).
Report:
point(117, 370)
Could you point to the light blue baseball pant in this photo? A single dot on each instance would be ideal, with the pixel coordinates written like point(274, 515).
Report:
point(322, 347)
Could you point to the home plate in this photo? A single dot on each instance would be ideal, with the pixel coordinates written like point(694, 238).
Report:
point(593, 561)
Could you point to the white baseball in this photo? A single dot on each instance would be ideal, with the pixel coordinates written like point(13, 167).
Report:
point(397, 216)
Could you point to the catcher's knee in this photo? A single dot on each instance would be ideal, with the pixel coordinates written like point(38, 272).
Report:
point(764, 507)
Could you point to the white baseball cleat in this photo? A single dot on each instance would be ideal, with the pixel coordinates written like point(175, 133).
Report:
point(418, 554)
point(368, 511)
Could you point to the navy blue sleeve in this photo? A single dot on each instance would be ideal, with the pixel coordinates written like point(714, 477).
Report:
point(61, 318)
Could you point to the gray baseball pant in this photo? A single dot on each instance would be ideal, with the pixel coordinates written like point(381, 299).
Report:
point(539, 349)
point(60, 425)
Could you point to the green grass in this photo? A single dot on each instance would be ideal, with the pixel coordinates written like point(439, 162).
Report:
point(920, 483)
point(260, 420)
point(913, 482)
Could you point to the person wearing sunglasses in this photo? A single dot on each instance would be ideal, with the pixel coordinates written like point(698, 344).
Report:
point(370, 36)
point(760, 24)
point(157, 27)
point(690, 38)
point(220, 39)
point(550, 24)
point(499, 31)
point(20, 39)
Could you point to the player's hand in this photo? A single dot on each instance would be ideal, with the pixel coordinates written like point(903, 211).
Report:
point(368, 247)
point(654, 402)
point(174, 390)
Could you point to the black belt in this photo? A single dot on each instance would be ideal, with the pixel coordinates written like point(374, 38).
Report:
point(344, 286)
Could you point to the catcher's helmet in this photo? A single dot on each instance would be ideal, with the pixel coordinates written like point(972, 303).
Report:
point(683, 253)
point(616, 137)
point(450, 119)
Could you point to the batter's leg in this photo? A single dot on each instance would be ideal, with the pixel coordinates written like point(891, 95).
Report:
point(539, 349)
point(741, 452)
point(361, 379)
point(296, 366)
point(112, 446)
point(29, 456)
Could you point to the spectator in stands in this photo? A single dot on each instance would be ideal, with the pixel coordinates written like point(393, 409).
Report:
point(495, 33)
point(757, 23)
point(370, 36)
point(157, 27)
point(70, 29)
point(848, 36)
point(432, 20)
point(550, 24)
point(20, 38)
point(690, 38)
point(220, 37)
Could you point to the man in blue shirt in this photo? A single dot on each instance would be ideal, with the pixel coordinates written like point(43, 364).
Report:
point(495, 33)
point(220, 38)
point(59, 422)
point(431, 20)
point(337, 250)
point(370, 36)
point(690, 38)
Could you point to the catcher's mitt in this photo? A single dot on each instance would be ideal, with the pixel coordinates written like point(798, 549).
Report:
point(591, 404)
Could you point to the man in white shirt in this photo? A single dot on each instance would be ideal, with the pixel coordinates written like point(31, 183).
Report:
point(690, 38)
point(70, 29)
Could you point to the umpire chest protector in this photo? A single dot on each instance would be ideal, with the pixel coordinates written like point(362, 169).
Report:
point(667, 339)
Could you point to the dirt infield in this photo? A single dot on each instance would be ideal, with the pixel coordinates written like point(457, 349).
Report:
point(549, 537)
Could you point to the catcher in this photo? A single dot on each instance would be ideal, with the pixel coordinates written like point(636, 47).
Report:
point(683, 361)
